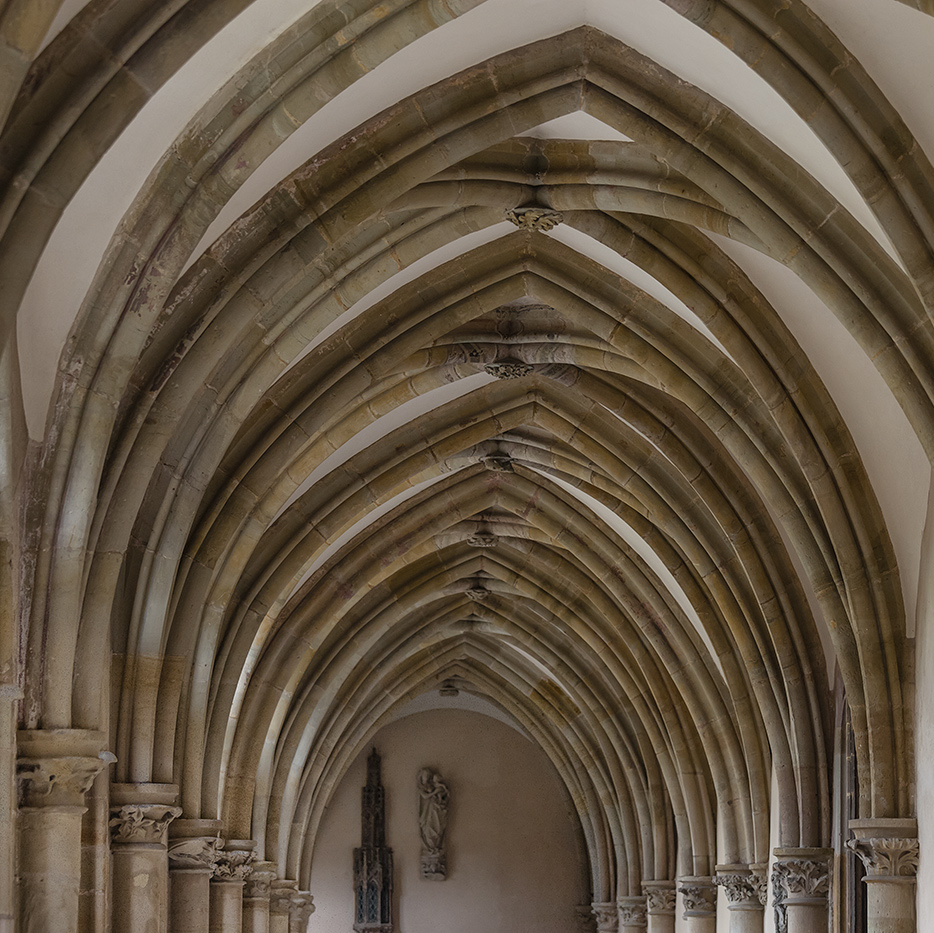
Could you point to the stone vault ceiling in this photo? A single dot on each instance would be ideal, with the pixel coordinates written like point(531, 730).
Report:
point(578, 353)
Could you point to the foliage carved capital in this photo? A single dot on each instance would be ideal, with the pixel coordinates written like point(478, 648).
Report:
point(887, 857)
point(141, 823)
point(661, 897)
point(606, 914)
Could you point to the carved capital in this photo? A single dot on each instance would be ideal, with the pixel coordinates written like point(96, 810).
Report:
point(534, 218)
point(195, 854)
point(887, 858)
point(700, 896)
point(301, 908)
point(233, 865)
point(141, 823)
point(280, 896)
point(585, 919)
point(59, 781)
point(508, 369)
point(606, 914)
point(760, 881)
point(259, 883)
point(801, 876)
point(632, 911)
point(739, 885)
point(661, 897)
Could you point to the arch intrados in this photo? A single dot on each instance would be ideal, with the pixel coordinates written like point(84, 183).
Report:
point(397, 597)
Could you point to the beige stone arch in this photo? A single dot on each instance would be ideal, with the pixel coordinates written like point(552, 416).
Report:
point(319, 611)
point(552, 658)
point(805, 62)
point(470, 663)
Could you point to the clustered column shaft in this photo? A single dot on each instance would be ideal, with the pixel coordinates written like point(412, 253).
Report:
point(256, 892)
point(801, 888)
point(661, 901)
point(746, 894)
point(632, 914)
point(140, 817)
point(55, 771)
point(889, 851)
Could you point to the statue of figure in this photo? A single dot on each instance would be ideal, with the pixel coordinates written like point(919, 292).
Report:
point(434, 798)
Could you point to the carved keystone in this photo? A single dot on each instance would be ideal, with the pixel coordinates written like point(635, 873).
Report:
point(508, 369)
point(534, 218)
point(482, 539)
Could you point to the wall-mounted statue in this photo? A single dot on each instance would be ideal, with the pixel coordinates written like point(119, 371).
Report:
point(433, 801)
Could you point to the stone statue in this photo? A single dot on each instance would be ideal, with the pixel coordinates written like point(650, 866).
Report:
point(433, 800)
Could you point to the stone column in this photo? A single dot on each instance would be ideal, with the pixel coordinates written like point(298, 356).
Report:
point(746, 909)
point(140, 816)
point(193, 846)
point(280, 905)
point(256, 890)
point(55, 769)
point(661, 902)
point(10, 695)
point(700, 903)
point(632, 916)
point(889, 851)
point(233, 865)
point(300, 909)
point(607, 916)
point(800, 889)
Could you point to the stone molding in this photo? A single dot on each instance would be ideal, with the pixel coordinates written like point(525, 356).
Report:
point(534, 218)
point(477, 593)
point(606, 914)
point(632, 911)
point(144, 824)
point(700, 896)
point(741, 886)
point(508, 369)
point(661, 897)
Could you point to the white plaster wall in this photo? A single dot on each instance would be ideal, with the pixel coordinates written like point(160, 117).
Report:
point(513, 856)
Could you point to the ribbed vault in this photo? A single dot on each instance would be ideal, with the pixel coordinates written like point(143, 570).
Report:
point(400, 424)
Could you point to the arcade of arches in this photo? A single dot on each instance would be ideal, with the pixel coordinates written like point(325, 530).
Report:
point(539, 390)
